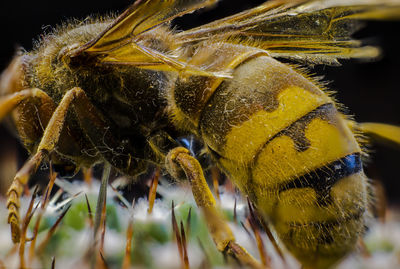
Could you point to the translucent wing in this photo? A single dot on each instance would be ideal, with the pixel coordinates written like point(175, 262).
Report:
point(317, 31)
point(121, 42)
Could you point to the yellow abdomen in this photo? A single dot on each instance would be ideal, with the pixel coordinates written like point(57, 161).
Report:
point(284, 144)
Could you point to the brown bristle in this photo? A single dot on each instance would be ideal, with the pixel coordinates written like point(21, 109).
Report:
point(25, 223)
point(129, 234)
point(90, 214)
point(44, 203)
point(153, 190)
point(177, 234)
point(215, 178)
point(87, 176)
point(245, 228)
point(265, 259)
point(184, 247)
point(273, 241)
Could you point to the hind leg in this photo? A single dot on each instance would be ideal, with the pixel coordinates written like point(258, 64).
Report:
point(180, 158)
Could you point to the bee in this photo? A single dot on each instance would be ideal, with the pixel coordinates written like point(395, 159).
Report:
point(123, 90)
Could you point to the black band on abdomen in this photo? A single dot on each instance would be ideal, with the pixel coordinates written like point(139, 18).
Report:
point(322, 179)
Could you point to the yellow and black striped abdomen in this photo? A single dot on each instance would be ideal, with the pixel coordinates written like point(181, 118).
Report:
point(284, 144)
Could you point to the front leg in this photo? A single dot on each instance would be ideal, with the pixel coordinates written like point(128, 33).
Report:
point(48, 142)
point(180, 159)
point(92, 123)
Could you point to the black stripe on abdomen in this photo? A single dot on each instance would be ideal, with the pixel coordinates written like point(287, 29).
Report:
point(322, 179)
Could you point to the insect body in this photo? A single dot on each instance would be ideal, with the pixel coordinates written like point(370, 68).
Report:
point(122, 90)
point(282, 141)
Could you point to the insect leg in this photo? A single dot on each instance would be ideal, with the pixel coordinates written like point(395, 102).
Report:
point(180, 159)
point(47, 144)
point(97, 129)
point(9, 102)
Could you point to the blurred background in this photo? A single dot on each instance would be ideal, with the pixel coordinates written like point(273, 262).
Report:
point(370, 90)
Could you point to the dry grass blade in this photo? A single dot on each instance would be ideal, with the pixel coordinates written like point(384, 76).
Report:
point(90, 214)
point(25, 223)
point(127, 258)
point(177, 234)
point(52, 231)
point(153, 190)
point(184, 247)
point(44, 203)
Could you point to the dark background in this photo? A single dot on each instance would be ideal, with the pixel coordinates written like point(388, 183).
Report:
point(369, 90)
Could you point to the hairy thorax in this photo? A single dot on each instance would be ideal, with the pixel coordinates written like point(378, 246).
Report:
point(130, 97)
